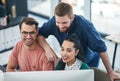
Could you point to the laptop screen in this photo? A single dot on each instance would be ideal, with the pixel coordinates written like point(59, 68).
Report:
point(71, 75)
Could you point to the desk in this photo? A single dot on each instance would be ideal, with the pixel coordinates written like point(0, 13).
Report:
point(116, 39)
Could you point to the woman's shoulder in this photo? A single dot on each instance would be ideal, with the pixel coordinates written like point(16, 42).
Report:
point(60, 65)
point(84, 66)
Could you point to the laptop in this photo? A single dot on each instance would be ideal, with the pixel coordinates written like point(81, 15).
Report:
point(71, 75)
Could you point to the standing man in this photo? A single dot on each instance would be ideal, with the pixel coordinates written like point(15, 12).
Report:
point(27, 54)
point(65, 23)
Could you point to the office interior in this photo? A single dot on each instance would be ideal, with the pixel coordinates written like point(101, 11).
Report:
point(105, 15)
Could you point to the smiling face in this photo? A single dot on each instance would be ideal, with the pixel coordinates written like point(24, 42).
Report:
point(28, 34)
point(63, 22)
point(68, 52)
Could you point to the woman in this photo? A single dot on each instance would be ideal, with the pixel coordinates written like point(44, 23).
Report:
point(71, 53)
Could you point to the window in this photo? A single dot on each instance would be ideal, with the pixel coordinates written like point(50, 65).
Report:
point(105, 15)
point(39, 7)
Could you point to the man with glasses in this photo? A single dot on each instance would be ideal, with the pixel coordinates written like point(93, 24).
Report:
point(27, 54)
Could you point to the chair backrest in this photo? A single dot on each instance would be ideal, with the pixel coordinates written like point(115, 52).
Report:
point(101, 75)
point(2, 68)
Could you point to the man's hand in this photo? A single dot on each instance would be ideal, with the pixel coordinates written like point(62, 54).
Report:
point(50, 54)
point(114, 76)
point(49, 51)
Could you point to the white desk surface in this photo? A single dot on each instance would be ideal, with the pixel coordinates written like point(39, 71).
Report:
point(114, 38)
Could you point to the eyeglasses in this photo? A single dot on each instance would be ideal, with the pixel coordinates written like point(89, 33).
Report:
point(24, 33)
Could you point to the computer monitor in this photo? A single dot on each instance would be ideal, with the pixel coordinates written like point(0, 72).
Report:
point(71, 75)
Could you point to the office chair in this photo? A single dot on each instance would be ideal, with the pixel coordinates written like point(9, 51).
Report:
point(101, 75)
point(2, 68)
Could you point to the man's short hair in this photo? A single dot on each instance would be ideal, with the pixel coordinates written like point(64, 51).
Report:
point(29, 21)
point(63, 9)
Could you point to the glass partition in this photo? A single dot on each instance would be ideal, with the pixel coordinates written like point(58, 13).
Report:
point(44, 6)
point(39, 7)
point(78, 6)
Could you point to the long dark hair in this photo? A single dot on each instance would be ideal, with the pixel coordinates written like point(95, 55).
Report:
point(73, 38)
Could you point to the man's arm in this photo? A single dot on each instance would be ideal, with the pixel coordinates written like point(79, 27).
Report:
point(10, 67)
point(49, 51)
point(112, 74)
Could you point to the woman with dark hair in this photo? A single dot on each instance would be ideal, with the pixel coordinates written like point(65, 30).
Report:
point(71, 53)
